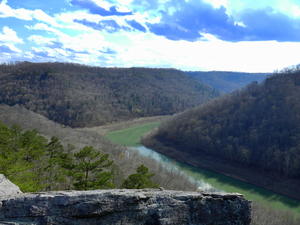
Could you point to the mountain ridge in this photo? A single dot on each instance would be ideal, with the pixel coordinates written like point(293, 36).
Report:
point(227, 81)
point(78, 95)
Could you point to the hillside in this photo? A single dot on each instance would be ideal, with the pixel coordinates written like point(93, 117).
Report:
point(125, 161)
point(78, 96)
point(227, 82)
point(254, 130)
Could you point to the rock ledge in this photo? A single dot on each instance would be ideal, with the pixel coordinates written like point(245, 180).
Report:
point(116, 207)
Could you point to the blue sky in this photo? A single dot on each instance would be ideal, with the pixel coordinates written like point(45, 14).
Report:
point(235, 35)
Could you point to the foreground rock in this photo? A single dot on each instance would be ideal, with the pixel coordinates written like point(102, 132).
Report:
point(7, 187)
point(116, 207)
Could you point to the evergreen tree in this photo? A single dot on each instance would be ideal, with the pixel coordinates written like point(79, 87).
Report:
point(54, 169)
point(139, 180)
point(91, 169)
point(20, 154)
point(35, 164)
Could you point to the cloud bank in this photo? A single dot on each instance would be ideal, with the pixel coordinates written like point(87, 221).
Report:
point(190, 34)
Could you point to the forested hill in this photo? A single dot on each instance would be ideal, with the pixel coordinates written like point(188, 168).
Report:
point(78, 95)
point(226, 82)
point(36, 163)
point(258, 127)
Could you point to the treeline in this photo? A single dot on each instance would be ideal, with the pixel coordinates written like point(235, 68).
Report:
point(258, 127)
point(78, 95)
point(36, 164)
point(227, 82)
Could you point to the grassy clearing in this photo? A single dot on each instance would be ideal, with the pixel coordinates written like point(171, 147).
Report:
point(131, 136)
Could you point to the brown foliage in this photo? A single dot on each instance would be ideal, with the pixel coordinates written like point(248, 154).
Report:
point(262, 215)
point(256, 127)
point(79, 96)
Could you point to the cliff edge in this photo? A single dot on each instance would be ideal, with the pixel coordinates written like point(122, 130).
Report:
point(116, 207)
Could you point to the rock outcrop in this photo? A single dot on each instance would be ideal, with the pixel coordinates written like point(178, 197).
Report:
point(7, 187)
point(116, 207)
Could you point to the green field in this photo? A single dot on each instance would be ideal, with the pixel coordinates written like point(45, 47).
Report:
point(131, 136)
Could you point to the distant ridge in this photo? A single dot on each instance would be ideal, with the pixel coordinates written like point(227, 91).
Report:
point(225, 81)
point(78, 95)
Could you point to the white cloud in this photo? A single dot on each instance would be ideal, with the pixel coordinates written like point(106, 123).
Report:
point(83, 44)
point(213, 54)
point(147, 49)
point(66, 19)
point(7, 11)
point(46, 52)
point(295, 10)
point(45, 27)
point(44, 17)
point(92, 42)
point(40, 40)
point(13, 48)
point(8, 35)
point(10, 39)
point(217, 3)
point(288, 7)
point(25, 14)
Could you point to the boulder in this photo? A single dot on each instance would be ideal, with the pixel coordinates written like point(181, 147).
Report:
point(7, 187)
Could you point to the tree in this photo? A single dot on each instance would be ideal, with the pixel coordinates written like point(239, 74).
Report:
point(32, 145)
point(91, 169)
point(140, 180)
point(20, 154)
point(54, 168)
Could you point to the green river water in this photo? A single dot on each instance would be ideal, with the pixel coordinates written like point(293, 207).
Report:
point(211, 181)
point(206, 180)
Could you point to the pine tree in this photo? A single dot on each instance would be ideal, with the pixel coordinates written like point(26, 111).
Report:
point(20, 154)
point(54, 170)
point(92, 169)
point(139, 180)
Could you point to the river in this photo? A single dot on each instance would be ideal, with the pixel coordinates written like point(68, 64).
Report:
point(211, 181)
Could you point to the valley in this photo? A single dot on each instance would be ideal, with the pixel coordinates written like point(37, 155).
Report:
point(101, 96)
point(180, 131)
point(204, 178)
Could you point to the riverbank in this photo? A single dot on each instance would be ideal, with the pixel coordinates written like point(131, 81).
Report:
point(277, 184)
point(208, 180)
point(265, 199)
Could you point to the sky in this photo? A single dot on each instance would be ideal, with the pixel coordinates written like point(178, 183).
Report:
point(227, 35)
